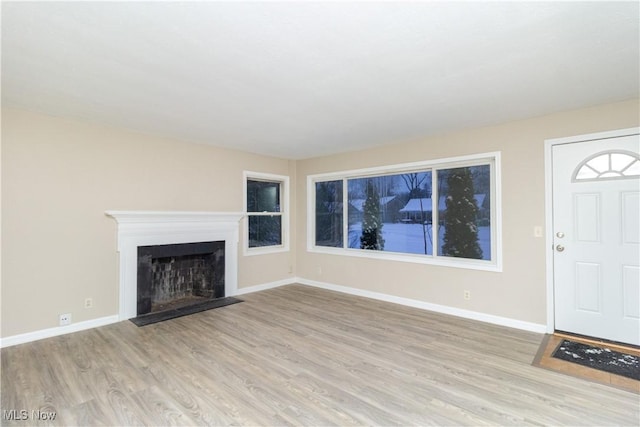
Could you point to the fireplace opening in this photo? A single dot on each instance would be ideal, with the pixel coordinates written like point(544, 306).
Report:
point(179, 275)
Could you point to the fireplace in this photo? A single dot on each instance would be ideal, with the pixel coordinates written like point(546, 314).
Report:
point(179, 275)
point(192, 240)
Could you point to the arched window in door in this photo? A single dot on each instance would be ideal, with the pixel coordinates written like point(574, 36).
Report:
point(608, 165)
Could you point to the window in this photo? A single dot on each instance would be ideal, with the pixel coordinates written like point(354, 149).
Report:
point(267, 221)
point(608, 165)
point(439, 212)
point(328, 215)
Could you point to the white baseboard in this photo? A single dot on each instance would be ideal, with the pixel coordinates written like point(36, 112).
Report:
point(94, 323)
point(59, 330)
point(265, 286)
point(467, 314)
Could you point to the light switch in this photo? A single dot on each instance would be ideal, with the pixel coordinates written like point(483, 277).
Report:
point(537, 231)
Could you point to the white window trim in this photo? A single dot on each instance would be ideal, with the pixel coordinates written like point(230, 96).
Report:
point(495, 264)
point(284, 213)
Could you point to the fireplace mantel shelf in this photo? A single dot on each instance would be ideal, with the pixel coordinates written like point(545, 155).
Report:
point(131, 217)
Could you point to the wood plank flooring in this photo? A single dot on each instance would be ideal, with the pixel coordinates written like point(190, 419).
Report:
point(298, 355)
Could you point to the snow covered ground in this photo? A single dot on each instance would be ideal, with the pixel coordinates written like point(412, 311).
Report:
point(408, 238)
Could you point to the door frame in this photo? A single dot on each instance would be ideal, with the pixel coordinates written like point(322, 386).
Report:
point(548, 199)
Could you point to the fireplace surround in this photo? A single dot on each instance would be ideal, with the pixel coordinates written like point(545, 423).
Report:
point(155, 228)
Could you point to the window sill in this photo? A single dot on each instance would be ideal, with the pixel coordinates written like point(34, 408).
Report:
point(469, 264)
point(265, 250)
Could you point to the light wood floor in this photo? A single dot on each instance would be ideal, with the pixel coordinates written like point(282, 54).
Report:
point(297, 355)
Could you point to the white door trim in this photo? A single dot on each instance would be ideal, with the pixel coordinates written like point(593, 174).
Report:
point(548, 199)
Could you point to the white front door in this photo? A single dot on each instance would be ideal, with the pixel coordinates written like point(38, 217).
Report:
point(596, 235)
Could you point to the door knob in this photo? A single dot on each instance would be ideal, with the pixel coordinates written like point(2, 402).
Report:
point(559, 248)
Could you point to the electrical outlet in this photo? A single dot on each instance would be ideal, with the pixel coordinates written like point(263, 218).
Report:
point(88, 303)
point(319, 271)
point(467, 295)
point(65, 319)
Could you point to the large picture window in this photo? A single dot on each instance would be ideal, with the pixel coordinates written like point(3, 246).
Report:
point(265, 206)
point(441, 212)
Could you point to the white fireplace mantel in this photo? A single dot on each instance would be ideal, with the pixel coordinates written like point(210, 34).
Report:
point(147, 228)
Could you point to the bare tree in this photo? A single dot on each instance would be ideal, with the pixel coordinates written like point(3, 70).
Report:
point(413, 182)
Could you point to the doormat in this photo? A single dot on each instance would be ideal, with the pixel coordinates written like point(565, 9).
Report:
point(148, 319)
point(601, 358)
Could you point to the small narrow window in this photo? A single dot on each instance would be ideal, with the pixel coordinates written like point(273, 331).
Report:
point(265, 206)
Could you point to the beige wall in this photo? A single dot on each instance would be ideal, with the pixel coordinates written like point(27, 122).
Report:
point(519, 292)
point(59, 177)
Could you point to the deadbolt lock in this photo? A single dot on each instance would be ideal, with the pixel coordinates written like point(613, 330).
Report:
point(560, 234)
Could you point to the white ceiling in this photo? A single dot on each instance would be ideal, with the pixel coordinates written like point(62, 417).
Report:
point(301, 79)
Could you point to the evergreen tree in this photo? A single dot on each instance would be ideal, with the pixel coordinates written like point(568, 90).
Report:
point(371, 237)
point(461, 231)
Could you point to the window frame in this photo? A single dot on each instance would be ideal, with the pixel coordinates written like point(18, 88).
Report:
point(283, 181)
point(490, 158)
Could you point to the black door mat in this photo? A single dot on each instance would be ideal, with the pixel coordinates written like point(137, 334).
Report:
point(148, 319)
point(602, 358)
